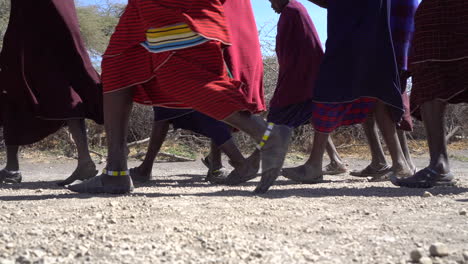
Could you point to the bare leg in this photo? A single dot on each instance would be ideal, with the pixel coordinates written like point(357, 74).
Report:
point(336, 165)
point(230, 149)
point(77, 129)
point(433, 117)
point(12, 158)
point(117, 109)
point(274, 150)
point(86, 168)
point(311, 171)
point(142, 173)
point(377, 154)
point(388, 128)
point(406, 151)
point(378, 165)
point(215, 155)
point(438, 171)
point(253, 125)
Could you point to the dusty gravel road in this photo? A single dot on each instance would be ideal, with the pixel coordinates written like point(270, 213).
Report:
point(178, 218)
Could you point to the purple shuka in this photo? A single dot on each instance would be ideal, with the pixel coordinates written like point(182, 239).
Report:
point(299, 53)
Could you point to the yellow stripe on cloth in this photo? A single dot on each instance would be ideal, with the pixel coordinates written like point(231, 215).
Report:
point(169, 39)
point(169, 32)
point(178, 26)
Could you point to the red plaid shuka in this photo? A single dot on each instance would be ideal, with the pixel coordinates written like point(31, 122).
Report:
point(193, 77)
point(439, 58)
point(328, 117)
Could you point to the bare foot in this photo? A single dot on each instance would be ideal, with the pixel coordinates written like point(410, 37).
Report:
point(82, 172)
point(243, 172)
point(334, 169)
point(140, 174)
point(10, 177)
point(304, 174)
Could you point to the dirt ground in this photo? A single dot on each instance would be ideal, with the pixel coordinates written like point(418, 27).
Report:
point(178, 218)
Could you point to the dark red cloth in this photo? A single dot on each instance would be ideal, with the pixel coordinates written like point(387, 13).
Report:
point(299, 53)
point(244, 57)
point(193, 78)
point(439, 58)
point(46, 74)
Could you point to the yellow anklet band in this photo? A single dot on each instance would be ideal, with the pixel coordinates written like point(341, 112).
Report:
point(116, 173)
point(266, 136)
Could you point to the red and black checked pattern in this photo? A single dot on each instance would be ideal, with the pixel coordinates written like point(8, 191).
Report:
point(447, 81)
point(439, 61)
point(327, 117)
point(441, 31)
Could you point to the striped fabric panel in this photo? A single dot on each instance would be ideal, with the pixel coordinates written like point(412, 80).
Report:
point(173, 37)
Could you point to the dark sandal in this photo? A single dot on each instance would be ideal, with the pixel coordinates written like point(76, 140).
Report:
point(217, 176)
point(425, 178)
point(95, 185)
point(371, 172)
point(10, 177)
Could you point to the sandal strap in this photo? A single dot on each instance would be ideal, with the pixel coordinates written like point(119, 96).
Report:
point(116, 173)
point(266, 136)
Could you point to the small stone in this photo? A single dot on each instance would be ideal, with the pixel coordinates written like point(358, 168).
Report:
point(112, 221)
point(416, 255)
point(438, 250)
point(23, 260)
point(425, 260)
point(462, 212)
point(465, 255)
point(427, 194)
point(10, 246)
point(7, 261)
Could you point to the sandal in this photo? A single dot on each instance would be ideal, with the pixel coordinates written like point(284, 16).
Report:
point(425, 178)
point(369, 171)
point(10, 177)
point(297, 174)
point(273, 149)
point(81, 173)
point(95, 185)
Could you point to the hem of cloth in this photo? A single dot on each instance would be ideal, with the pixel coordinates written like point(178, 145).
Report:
point(357, 121)
point(352, 100)
point(445, 100)
point(439, 60)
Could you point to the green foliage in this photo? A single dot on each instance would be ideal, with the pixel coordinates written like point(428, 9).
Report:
point(97, 23)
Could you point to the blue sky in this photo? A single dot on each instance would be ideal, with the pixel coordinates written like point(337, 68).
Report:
point(265, 15)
